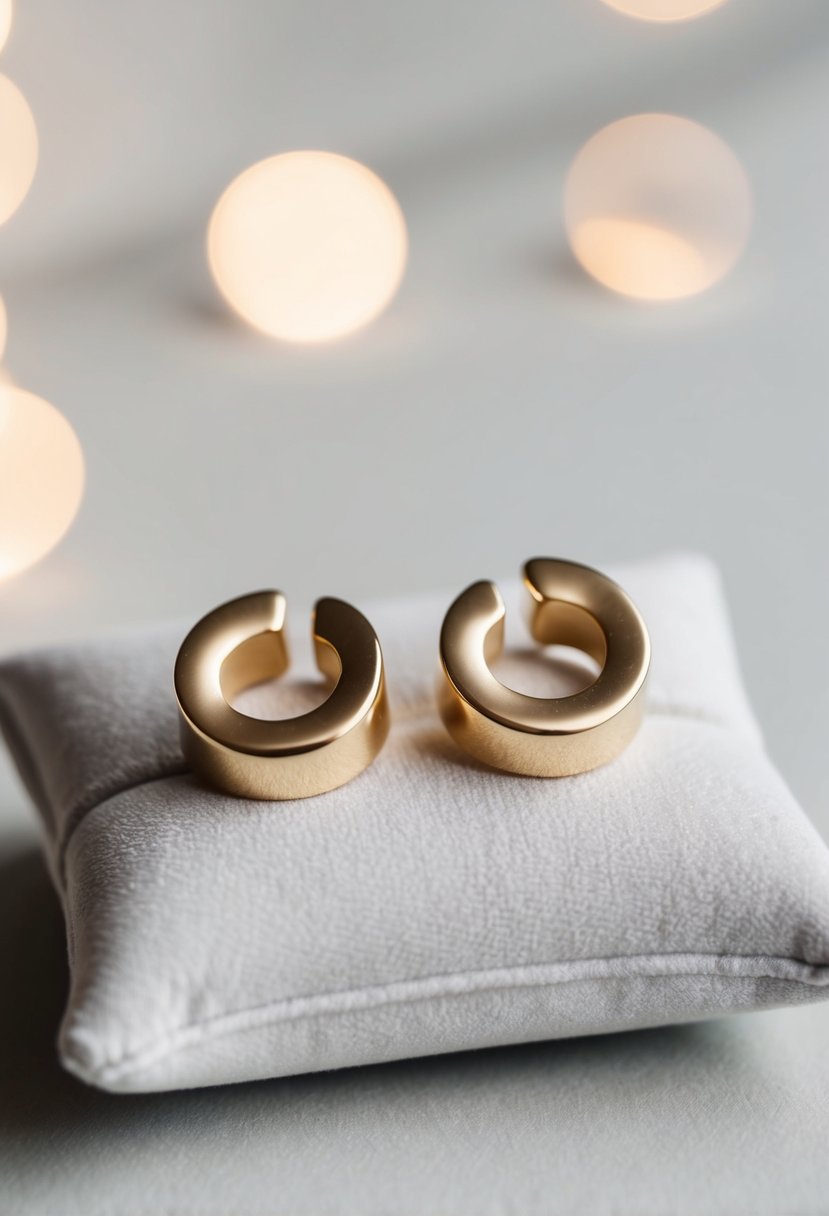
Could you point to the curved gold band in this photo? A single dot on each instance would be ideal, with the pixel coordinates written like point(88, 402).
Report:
point(243, 643)
point(569, 604)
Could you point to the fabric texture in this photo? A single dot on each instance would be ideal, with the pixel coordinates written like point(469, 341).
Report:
point(431, 905)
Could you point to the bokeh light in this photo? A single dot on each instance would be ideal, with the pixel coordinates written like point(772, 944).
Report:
point(657, 207)
point(664, 10)
point(18, 148)
point(41, 478)
point(307, 246)
point(5, 21)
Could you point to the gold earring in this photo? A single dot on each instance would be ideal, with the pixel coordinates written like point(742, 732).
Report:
point(557, 737)
point(242, 643)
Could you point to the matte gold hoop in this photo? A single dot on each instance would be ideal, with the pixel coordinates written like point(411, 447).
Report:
point(242, 643)
point(570, 604)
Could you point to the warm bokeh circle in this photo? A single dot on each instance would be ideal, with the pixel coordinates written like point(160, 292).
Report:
point(18, 148)
point(664, 10)
point(41, 478)
point(307, 246)
point(657, 207)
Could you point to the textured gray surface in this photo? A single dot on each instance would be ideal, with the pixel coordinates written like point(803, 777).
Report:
point(218, 463)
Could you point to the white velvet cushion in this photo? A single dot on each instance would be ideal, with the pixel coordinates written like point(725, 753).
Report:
point(430, 905)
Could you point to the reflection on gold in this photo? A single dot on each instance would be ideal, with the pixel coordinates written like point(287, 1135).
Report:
point(657, 207)
point(41, 478)
point(307, 246)
point(5, 21)
point(18, 148)
point(664, 10)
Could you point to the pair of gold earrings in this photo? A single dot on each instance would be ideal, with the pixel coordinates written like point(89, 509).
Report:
point(243, 643)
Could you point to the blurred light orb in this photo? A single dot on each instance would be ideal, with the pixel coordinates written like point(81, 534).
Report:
point(307, 246)
point(18, 148)
point(657, 207)
point(664, 10)
point(5, 21)
point(41, 478)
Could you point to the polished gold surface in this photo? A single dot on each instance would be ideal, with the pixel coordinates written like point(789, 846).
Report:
point(243, 643)
point(569, 604)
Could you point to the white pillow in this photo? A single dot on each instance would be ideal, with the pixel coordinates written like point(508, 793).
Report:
point(431, 905)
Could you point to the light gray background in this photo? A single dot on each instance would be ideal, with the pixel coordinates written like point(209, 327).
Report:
point(503, 406)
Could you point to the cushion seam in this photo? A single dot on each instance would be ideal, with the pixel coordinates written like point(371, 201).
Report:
point(74, 818)
point(451, 985)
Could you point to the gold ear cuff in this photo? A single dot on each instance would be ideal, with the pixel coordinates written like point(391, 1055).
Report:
point(242, 643)
point(556, 737)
